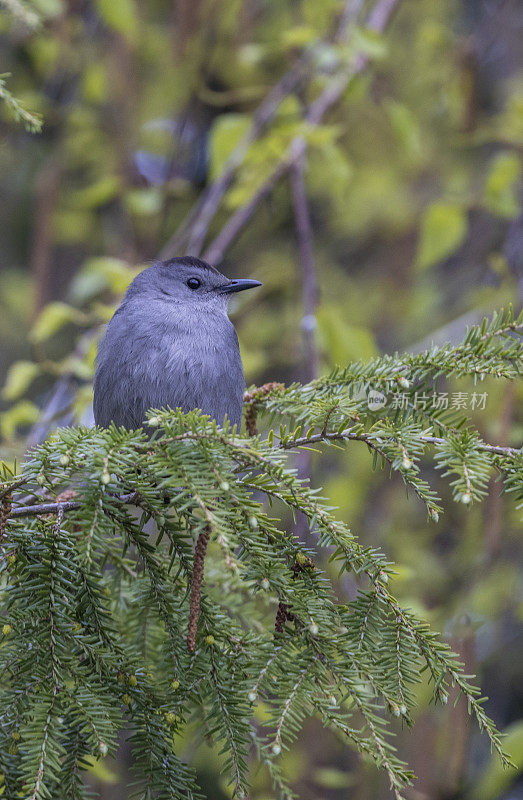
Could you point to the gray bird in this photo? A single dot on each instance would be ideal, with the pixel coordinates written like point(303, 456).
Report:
point(171, 343)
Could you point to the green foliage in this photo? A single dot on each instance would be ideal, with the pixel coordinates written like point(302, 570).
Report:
point(496, 780)
point(32, 122)
point(501, 186)
point(19, 377)
point(53, 318)
point(95, 585)
point(21, 414)
point(443, 229)
point(119, 16)
point(226, 134)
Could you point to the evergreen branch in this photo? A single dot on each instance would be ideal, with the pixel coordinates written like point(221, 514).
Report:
point(448, 664)
point(236, 758)
point(8, 488)
point(399, 668)
point(398, 777)
point(110, 595)
point(52, 633)
point(373, 596)
point(372, 442)
point(290, 699)
point(348, 435)
point(396, 783)
point(31, 121)
point(45, 736)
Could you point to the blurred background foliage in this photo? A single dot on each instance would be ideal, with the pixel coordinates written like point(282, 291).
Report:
point(413, 186)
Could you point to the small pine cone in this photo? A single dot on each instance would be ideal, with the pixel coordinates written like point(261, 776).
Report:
point(283, 615)
point(5, 510)
point(250, 420)
point(250, 398)
point(196, 586)
point(262, 391)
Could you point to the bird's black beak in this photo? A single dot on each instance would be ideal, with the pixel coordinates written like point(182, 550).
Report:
point(238, 285)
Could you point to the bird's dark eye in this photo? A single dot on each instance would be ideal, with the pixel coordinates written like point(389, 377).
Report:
point(193, 283)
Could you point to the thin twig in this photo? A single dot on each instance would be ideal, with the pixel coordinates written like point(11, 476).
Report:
point(60, 396)
point(69, 505)
point(11, 487)
point(289, 701)
point(309, 279)
point(367, 438)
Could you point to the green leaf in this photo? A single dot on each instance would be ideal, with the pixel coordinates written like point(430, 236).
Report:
point(97, 194)
point(299, 36)
point(99, 274)
point(121, 16)
point(225, 135)
point(496, 779)
point(331, 778)
point(72, 225)
point(53, 317)
point(22, 414)
point(49, 8)
point(19, 377)
point(329, 172)
point(443, 229)
point(501, 195)
point(406, 127)
point(116, 272)
point(369, 43)
point(144, 202)
point(343, 342)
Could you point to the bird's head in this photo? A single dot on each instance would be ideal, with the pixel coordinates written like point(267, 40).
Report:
point(188, 281)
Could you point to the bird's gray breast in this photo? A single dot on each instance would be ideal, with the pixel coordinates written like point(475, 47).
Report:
point(158, 357)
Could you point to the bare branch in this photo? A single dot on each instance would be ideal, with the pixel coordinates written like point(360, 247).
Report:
point(296, 150)
point(367, 438)
point(195, 226)
point(68, 505)
point(309, 278)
